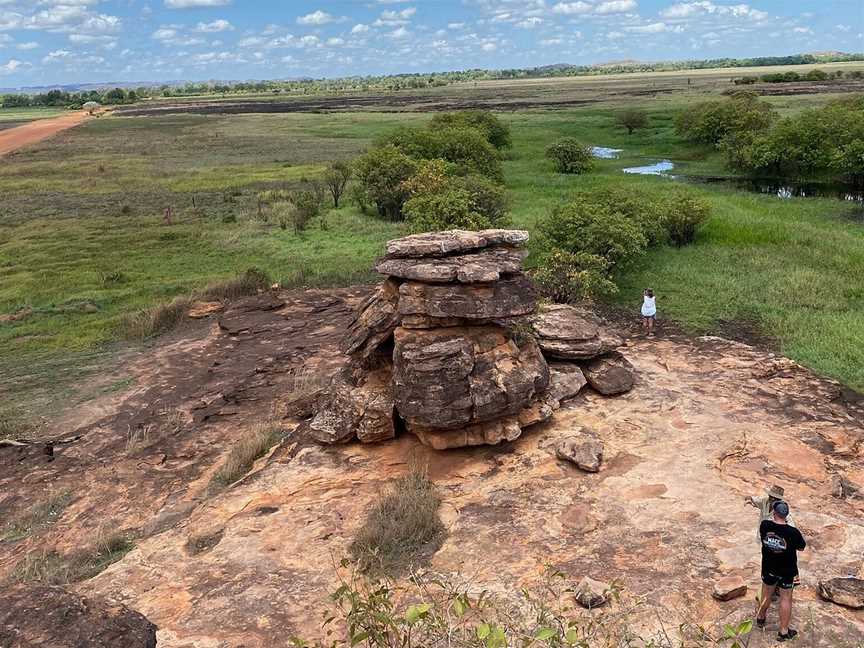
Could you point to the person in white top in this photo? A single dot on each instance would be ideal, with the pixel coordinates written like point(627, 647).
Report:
point(649, 311)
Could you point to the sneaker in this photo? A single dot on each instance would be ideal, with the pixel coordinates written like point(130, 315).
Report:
point(790, 634)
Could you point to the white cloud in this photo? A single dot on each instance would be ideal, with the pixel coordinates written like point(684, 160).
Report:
point(802, 30)
point(707, 7)
point(360, 29)
point(488, 47)
point(164, 34)
point(192, 4)
point(616, 6)
point(549, 42)
point(650, 28)
point(335, 42)
point(456, 25)
point(56, 55)
point(316, 18)
point(843, 28)
point(572, 8)
point(30, 45)
point(219, 25)
point(530, 23)
point(10, 66)
point(399, 33)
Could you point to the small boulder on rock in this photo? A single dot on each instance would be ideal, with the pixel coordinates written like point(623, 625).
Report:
point(572, 333)
point(610, 374)
point(583, 449)
point(728, 588)
point(846, 591)
point(590, 593)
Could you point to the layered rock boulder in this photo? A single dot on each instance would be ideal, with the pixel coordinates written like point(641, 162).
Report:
point(457, 347)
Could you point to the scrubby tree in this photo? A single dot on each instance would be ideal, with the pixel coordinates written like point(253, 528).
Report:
point(710, 122)
point(460, 203)
point(496, 132)
point(632, 120)
point(467, 148)
point(336, 178)
point(570, 156)
point(381, 173)
point(567, 277)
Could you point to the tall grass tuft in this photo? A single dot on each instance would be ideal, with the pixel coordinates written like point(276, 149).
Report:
point(401, 527)
point(254, 445)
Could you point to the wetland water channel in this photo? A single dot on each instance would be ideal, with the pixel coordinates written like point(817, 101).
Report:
point(779, 187)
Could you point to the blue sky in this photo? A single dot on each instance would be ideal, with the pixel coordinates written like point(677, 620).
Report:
point(72, 41)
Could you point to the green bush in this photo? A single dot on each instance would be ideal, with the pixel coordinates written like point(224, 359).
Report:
point(381, 174)
point(590, 226)
point(493, 129)
point(570, 156)
point(466, 148)
point(565, 277)
point(684, 213)
point(632, 120)
point(710, 122)
point(445, 202)
point(825, 140)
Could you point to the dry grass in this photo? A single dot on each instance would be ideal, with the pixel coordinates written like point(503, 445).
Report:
point(39, 516)
point(150, 322)
point(402, 528)
point(54, 568)
point(254, 445)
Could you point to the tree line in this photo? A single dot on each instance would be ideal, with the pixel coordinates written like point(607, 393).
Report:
point(72, 100)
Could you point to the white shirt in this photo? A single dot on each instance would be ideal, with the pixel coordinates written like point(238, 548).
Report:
point(649, 308)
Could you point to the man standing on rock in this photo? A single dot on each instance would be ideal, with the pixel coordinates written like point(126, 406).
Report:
point(781, 543)
point(765, 503)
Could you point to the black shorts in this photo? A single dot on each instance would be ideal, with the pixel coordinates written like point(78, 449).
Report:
point(783, 582)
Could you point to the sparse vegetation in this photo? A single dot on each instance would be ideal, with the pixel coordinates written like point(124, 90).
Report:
point(570, 156)
point(436, 611)
point(255, 443)
point(53, 568)
point(633, 120)
point(336, 178)
point(400, 527)
point(37, 517)
point(738, 116)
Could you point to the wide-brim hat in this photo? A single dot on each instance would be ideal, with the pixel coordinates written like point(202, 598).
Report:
point(776, 491)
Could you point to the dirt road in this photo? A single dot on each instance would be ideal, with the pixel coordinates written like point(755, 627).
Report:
point(14, 138)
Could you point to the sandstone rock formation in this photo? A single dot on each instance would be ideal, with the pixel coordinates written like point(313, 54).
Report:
point(848, 591)
point(728, 588)
point(44, 615)
point(467, 361)
point(610, 374)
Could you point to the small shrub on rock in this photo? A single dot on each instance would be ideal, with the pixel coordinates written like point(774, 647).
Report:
point(400, 526)
point(570, 156)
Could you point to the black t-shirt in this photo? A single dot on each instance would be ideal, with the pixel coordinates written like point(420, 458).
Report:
point(780, 546)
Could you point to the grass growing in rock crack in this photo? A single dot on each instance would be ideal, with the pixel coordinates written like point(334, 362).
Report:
point(402, 528)
point(254, 445)
point(54, 568)
point(39, 516)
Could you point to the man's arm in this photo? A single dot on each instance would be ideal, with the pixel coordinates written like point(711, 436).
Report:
point(802, 544)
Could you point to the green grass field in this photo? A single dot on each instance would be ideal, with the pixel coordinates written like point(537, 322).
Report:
point(82, 238)
point(27, 114)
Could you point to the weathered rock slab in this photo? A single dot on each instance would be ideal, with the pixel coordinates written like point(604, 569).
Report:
point(572, 333)
point(510, 297)
point(453, 377)
point(728, 588)
point(488, 433)
point(484, 266)
point(439, 244)
point(584, 449)
point(566, 380)
point(610, 374)
point(345, 411)
point(848, 591)
point(44, 615)
point(376, 318)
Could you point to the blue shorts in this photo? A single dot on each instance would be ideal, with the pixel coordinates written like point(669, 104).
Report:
point(783, 582)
